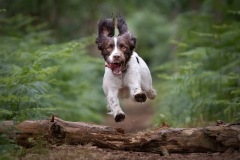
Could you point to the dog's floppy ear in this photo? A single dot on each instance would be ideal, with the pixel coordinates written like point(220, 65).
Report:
point(132, 40)
point(121, 25)
point(123, 30)
point(106, 27)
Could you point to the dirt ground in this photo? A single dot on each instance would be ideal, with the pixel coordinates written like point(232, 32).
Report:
point(89, 152)
point(138, 118)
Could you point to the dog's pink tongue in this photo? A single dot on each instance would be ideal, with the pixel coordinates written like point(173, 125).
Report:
point(117, 70)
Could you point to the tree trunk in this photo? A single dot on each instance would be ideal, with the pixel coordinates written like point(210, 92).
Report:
point(163, 140)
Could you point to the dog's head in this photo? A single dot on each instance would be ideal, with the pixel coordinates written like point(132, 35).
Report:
point(116, 50)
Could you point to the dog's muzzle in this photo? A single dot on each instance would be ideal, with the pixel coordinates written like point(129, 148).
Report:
point(117, 68)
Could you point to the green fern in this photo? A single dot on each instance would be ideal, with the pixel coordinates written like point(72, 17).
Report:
point(205, 85)
point(38, 79)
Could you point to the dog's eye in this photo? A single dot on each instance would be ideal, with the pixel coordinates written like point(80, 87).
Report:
point(123, 47)
point(109, 47)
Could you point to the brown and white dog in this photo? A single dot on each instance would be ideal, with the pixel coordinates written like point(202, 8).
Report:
point(126, 74)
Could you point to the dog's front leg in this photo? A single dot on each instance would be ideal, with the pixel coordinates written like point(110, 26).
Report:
point(114, 106)
point(111, 86)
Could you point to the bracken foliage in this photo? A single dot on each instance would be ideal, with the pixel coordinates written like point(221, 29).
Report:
point(203, 81)
point(39, 78)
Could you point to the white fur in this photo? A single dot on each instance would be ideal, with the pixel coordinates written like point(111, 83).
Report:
point(115, 51)
point(137, 79)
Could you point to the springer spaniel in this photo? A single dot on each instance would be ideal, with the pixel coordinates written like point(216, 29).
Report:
point(126, 74)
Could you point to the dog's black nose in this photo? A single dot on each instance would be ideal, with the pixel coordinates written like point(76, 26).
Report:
point(116, 57)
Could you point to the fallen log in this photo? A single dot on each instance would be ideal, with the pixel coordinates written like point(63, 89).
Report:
point(164, 140)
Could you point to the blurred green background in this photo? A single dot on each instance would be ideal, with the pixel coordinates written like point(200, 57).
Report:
point(49, 63)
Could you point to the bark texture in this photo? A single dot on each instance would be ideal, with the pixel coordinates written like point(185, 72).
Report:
point(164, 140)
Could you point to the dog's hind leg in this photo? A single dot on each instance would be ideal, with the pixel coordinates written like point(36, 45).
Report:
point(151, 94)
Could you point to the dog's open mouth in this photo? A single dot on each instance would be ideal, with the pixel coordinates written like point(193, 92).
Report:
point(117, 68)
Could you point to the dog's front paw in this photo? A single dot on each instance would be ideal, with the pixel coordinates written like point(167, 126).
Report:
point(119, 117)
point(140, 97)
